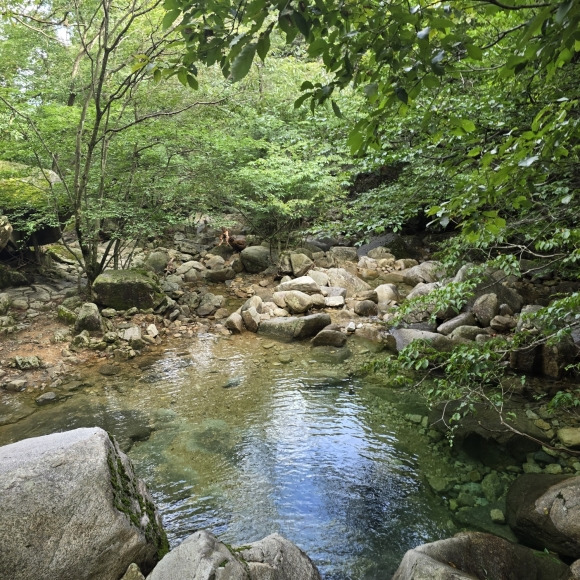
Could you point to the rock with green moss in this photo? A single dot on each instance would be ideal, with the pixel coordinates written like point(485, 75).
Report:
point(5, 231)
point(10, 278)
point(65, 315)
point(75, 509)
point(124, 289)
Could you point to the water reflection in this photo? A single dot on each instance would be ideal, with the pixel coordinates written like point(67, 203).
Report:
point(286, 449)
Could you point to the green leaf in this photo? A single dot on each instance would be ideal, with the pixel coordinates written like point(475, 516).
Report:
point(182, 76)
point(474, 52)
point(298, 102)
point(301, 24)
point(243, 62)
point(156, 75)
point(355, 141)
point(336, 109)
point(474, 152)
point(306, 85)
point(263, 46)
point(467, 125)
point(192, 82)
point(431, 81)
point(170, 17)
point(402, 95)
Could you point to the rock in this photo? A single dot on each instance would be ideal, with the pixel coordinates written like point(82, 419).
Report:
point(251, 319)
point(344, 254)
point(65, 315)
point(5, 231)
point(109, 370)
point(304, 284)
point(334, 302)
point(89, 318)
point(189, 265)
point(46, 398)
point(235, 323)
point(133, 573)
point(462, 319)
point(97, 519)
point(300, 263)
point(253, 302)
point(5, 302)
point(209, 304)
point(220, 275)
point(157, 261)
point(497, 516)
point(405, 336)
point(492, 487)
point(25, 363)
point(124, 289)
point(202, 557)
point(319, 277)
point(329, 338)
point(393, 242)
point(256, 259)
point(276, 558)
point(10, 277)
point(381, 253)
point(297, 302)
point(474, 555)
point(466, 332)
point(287, 329)
point(332, 291)
point(387, 293)
point(544, 512)
point(366, 308)
point(213, 262)
point(485, 308)
point(344, 279)
point(152, 331)
point(501, 323)
point(426, 272)
point(569, 436)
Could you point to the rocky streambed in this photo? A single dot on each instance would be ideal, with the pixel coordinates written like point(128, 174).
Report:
point(169, 379)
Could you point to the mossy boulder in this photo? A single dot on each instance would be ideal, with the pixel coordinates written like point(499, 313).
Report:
point(10, 278)
point(124, 289)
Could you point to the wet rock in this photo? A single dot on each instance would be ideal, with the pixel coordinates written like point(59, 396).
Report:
point(251, 319)
point(109, 370)
point(47, 398)
point(287, 329)
point(544, 512)
point(235, 323)
point(329, 338)
point(470, 555)
point(209, 304)
point(330, 354)
point(97, 519)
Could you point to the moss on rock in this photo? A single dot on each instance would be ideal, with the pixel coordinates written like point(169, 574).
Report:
point(124, 289)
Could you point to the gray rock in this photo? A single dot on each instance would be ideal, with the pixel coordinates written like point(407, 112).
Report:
point(485, 308)
point(381, 253)
point(89, 318)
point(251, 319)
point(304, 284)
point(300, 263)
point(329, 338)
point(405, 336)
point(253, 302)
point(209, 304)
point(256, 259)
point(292, 327)
point(47, 398)
point(344, 279)
point(5, 302)
point(501, 323)
point(319, 277)
point(189, 265)
point(124, 289)
point(466, 332)
point(133, 573)
point(544, 512)
point(366, 308)
point(387, 293)
point(492, 486)
point(426, 272)
point(473, 555)
point(569, 436)
point(152, 331)
point(25, 363)
point(331, 291)
point(462, 319)
point(297, 302)
point(157, 261)
point(220, 275)
point(235, 323)
point(96, 520)
point(213, 262)
point(334, 302)
point(344, 254)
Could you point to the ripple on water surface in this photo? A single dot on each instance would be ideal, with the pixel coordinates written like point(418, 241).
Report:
point(246, 447)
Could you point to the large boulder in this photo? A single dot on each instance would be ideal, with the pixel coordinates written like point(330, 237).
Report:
point(426, 272)
point(473, 555)
point(544, 512)
point(73, 509)
point(405, 336)
point(256, 259)
point(203, 557)
point(124, 289)
point(293, 327)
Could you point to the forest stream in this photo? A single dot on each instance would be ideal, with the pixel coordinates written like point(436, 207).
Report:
point(246, 437)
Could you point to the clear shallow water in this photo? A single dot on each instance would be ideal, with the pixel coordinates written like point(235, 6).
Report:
point(298, 448)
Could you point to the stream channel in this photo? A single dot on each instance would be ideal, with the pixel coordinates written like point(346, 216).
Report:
point(246, 437)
